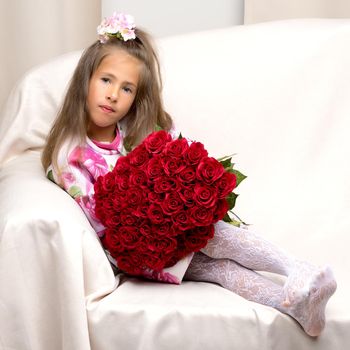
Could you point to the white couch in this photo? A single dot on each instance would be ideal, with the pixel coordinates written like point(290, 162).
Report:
point(278, 95)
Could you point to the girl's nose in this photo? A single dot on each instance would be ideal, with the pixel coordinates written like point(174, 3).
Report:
point(112, 94)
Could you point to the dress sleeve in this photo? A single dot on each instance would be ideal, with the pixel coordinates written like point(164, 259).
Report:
point(76, 174)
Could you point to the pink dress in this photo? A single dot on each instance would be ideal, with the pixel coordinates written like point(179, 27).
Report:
point(79, 166)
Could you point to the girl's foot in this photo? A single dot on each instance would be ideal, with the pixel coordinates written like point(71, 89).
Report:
point(307, 291)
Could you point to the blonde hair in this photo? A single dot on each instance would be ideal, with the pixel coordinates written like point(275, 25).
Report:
point(144, 115)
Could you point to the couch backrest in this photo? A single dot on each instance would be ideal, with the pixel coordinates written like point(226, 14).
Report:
point(33, 105)
point(273, 78)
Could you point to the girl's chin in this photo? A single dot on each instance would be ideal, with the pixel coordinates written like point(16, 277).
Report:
point(102, 133)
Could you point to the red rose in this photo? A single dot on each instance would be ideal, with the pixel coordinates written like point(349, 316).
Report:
point(127, 219)
point(187, 175)
point(138, 178)
point(145, 229)
point(108, 182)
point(141, 211)
point(113, 221)
point(139, 156)
point(134, 196)
point(195, 153)
point(129, 236)
point(187, 196)
point(176, 148)
point(165, 184)
point(153, 261)
point(193, 242)
point(130, 263)
point(155, 168)
point(201, 216)
point(155, 197)
point(155, 214)
point(173, 166)
point(165, 245)
point(99, 191)
point(226, 184)
point(122, 182)
point(172, 203)
point(206, 232)
point(118, 201)
point(112, 242)
point(166, 229)
point(205, 195)
point(107, 204)
point(220, 210)
point(209, 170)
point(122, 167)
point(100, 211)
point(182, 220)
point(156, 141)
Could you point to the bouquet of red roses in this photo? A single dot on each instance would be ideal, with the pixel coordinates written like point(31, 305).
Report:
point(161, 200)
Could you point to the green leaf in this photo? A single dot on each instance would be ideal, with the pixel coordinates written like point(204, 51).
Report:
point(226, 163)
point(235, 223)
point(239, 176)
point(50, 176)
point(231, 200)
point(158, 128)
point(75, 191)
point(180, 136)
point(226, 157)
point(127, 146)
point(226, 218)
point(237, 218)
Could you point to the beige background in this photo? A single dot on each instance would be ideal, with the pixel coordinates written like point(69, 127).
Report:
point(164, 18)
point(34, 31)
point(269, 10)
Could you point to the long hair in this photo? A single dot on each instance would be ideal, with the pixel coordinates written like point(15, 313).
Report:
point(144, 115)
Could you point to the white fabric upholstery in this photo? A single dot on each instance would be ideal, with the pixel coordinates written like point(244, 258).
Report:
point(278, 95)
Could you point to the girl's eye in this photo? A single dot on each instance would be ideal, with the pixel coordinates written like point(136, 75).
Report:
point(105, 80)
point(128, 90)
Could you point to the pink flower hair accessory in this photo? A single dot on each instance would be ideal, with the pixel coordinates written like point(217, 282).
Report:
point(119, 25)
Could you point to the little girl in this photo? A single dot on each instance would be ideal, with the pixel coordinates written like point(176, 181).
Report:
point(112, 103)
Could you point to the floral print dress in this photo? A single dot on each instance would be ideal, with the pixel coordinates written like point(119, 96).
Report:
point(79, 166)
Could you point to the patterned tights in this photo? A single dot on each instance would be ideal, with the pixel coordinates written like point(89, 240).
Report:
point(232, 258)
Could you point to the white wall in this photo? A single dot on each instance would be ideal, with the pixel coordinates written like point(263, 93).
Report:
point(162, 17)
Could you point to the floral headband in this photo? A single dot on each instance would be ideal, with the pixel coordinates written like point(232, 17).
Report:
point(119, 25)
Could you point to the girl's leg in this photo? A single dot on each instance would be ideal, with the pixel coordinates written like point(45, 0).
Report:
point(248, 249)
point(256, 253)
point(236, 278)
point(308, 311)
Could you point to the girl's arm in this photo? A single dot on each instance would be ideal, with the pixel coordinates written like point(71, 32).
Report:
point(75, 177)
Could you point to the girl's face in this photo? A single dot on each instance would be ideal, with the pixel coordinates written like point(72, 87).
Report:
point(112, 91)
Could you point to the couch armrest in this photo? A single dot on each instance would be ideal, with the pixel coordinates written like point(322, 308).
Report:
point(50, 260)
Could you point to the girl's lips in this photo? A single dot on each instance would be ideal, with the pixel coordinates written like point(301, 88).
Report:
point(107, 109)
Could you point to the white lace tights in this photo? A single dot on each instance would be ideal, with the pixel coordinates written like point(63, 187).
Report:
point(232, 258)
